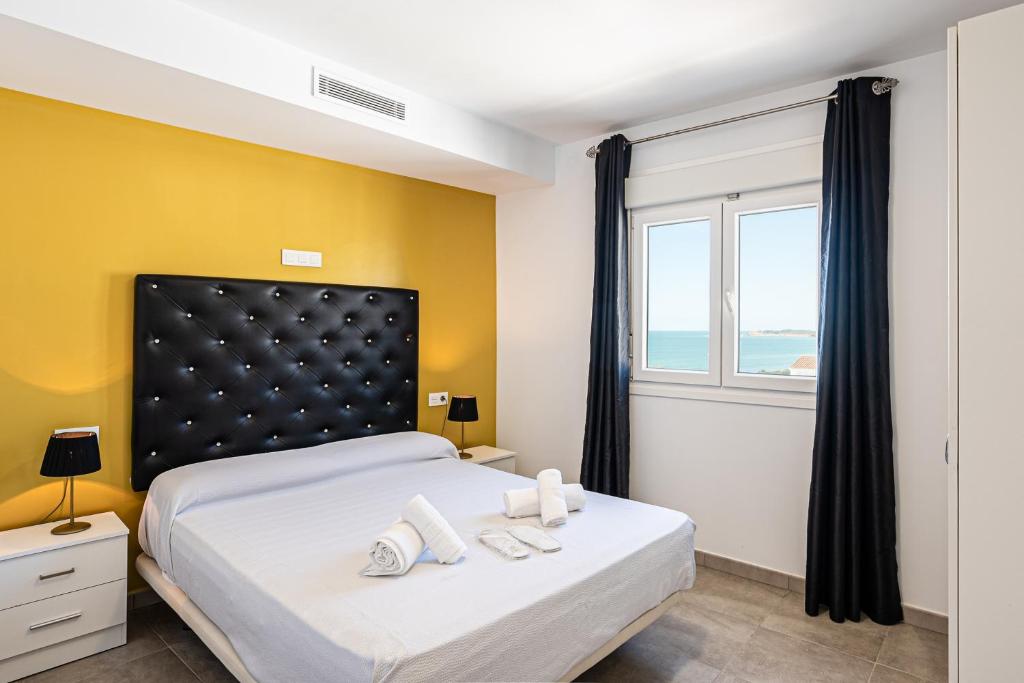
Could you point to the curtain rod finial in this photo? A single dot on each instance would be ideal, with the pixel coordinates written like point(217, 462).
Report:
point(592, 151)
point(884, 85)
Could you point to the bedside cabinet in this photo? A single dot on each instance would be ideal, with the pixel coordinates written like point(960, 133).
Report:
point(489, 456)
point(61, 597)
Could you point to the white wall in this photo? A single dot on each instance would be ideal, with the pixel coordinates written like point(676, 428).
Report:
point(741, 471)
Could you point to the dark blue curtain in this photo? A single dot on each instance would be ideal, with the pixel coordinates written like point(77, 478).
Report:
point(605, 466)
point(851, 526)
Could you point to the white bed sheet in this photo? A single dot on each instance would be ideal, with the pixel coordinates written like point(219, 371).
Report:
point(270, 546)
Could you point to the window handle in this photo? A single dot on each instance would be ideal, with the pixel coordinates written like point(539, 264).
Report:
point(730, 301)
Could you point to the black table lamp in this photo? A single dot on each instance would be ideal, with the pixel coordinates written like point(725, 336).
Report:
point(71, 454)
point(463, 409)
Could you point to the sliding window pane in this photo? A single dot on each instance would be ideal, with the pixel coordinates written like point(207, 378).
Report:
point(778, 292)
point(678, 295)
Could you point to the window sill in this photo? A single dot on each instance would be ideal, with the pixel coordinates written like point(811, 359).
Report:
point(762, 397)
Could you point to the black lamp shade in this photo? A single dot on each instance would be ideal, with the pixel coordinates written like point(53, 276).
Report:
point(71, 454)
point(463, 409)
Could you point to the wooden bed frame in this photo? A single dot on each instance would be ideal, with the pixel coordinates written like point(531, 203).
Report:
point(220, 646)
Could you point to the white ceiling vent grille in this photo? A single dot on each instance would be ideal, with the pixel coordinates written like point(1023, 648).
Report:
point(333, 89)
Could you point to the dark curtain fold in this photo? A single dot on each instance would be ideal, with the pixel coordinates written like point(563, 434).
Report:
point(851, 526)
point(605, 466)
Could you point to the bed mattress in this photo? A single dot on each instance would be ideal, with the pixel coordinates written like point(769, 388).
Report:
point(270, 546)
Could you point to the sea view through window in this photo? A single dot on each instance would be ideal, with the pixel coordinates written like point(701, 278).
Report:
point(761, 351)
point(775, 293)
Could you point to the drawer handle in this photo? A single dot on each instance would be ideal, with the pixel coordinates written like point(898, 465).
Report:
point(44, 577)
point(55, 620)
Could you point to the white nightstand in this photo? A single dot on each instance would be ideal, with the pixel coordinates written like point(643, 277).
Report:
point(61, 597)
point(498, 458)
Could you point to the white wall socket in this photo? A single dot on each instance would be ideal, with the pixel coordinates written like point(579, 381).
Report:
point(294, 257)
point(95, 430)
point(437, 398)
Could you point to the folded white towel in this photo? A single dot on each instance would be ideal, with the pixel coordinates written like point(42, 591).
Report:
point(395, 551)
point(526, 502)
point(553, 511)
point(437, 533)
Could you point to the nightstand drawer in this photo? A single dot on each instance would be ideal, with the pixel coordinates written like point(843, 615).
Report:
point(54, 620)
point(505, 465)
point(43, 575)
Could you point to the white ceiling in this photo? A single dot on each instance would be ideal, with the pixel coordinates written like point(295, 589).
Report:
point(569, 69)
point(165, 61)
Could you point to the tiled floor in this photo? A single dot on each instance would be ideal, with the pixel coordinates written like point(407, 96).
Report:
point(731, 630)
point(727, 629)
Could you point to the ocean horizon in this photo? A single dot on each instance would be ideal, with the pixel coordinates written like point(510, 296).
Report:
point(760, 351)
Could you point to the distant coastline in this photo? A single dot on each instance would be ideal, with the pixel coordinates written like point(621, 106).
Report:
point(785, 351)
point(782, 333)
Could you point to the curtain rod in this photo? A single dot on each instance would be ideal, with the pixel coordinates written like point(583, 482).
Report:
point(879, 87)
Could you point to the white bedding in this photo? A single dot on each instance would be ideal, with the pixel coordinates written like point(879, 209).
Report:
point(270, 546)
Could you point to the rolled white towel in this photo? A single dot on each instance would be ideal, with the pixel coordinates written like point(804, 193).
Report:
point(437, 533)
point(526, 502)
point(553, 511)
point(395, 551)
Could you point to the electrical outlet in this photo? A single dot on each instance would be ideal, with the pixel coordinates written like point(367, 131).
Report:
point(308, 259)
point(437, 398)
point(95, 430)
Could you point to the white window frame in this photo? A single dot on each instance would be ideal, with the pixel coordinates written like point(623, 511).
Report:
point(732, 211)
point(722, 382)
point(642, 221)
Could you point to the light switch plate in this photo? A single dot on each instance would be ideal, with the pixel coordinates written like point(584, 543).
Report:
point(95, 430)
point(437, 398)
point(307, 259)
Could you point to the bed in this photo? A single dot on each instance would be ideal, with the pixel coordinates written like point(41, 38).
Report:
point(255, 535)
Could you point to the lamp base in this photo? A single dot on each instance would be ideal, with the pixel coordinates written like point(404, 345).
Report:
point(70, 528)
point(465, 456)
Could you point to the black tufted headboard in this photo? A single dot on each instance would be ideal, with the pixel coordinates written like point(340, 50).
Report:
point(228, 367)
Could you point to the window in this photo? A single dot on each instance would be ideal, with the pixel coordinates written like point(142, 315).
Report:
point(680, 314)
point(726, 293)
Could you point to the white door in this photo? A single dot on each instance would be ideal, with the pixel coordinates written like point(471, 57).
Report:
point(990, 341)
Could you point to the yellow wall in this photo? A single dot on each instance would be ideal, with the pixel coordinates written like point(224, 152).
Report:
point(88, 199)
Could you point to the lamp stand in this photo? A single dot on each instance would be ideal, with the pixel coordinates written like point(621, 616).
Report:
point(71, 526)
point(462, 445)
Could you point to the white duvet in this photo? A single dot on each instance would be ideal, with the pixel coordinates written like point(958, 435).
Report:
point(270, 546)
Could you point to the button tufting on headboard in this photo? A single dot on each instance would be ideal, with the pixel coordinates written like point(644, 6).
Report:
point(228, 367)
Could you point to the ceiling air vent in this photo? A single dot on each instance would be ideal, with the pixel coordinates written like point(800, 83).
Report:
point(328, 87)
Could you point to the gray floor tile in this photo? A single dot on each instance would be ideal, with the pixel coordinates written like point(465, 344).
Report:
point(728, 594)
point(883, 674)
point(686, 644)
point(635, 663)
point(702, 634)
point(159, 667)
point(726, 677)
point(141, 641)
point(166, 623)
point(861, 639)
point(200, 660)
point(916, 651)
point(771, 656)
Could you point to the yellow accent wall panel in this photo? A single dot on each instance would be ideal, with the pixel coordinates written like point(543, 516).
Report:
point(89, 198)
